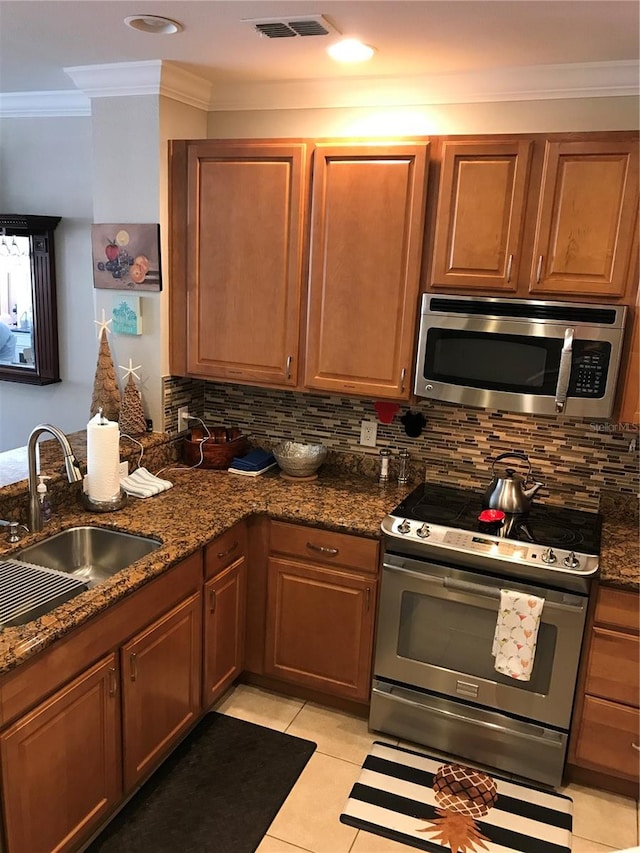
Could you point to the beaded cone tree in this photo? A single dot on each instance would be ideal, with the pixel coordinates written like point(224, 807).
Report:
point(132, 420)
point(106, 393)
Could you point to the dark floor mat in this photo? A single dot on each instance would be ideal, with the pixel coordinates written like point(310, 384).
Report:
point(217, 793)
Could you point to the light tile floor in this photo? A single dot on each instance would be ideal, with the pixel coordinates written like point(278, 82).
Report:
point(308, 821)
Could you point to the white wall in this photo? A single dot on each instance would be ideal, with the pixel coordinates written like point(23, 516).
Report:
point(45, 168)
point(126, 188)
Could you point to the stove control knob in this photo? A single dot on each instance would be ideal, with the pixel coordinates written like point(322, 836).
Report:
point(549, 557)
point(404, 526)
point(423, 532)
point(571, 562)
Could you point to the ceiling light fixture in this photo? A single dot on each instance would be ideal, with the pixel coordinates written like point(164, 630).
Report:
point(350, 50)
point(154, 24)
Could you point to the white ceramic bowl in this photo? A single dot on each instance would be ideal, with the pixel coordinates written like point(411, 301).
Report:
point(299, 460)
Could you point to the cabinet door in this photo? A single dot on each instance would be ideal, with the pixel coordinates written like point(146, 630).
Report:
point(364, 278)
point(224, 620)
point(61, 764)
point(586, 224)
point(320, 628)
point(246, 207)
point(480, 214)
point(161, 676)
point(608, 738)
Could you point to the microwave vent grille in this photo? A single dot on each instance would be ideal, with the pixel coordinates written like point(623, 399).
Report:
point(527, 310)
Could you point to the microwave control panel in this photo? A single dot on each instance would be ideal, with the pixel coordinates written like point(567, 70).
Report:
point(589, 369)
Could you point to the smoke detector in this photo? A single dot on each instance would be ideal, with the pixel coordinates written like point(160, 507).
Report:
point(291, 26)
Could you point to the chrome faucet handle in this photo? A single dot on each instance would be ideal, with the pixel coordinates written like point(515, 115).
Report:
point(14, 526)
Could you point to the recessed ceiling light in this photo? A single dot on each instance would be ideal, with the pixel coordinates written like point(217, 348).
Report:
point(154, 24)
point(350, 50)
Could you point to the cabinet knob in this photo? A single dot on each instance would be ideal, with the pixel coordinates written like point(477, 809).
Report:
point(539, 270)
point(113, 684)
point(636, 746)
point(288, 367)
point(133, 667)
point(509, 265)
point(212, 601)
point(402, 376)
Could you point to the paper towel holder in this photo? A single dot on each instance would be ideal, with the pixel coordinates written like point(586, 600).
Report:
point(111, 505)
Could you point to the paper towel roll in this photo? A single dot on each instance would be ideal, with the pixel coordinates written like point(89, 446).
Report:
point(103, 459)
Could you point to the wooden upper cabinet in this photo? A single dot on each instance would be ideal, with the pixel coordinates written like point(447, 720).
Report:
point(480, 214)
point(367, 225)
point(245, 205)
point(628, 411)
point(586, 222)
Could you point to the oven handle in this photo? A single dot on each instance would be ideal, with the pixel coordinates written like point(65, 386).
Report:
point(478, 589)
point(459, 716)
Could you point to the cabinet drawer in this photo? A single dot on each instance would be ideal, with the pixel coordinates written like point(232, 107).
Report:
point(618, 608)
point(608, 739)
point(613, 666)
point(225, 549)
point(325, 546)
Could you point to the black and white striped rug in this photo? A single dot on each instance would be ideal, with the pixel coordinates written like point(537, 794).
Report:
point(433, 805)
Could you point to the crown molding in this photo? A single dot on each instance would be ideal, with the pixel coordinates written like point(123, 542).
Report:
point(544, 82)
point(152, 77)
point(158, 77)
point(67, 102)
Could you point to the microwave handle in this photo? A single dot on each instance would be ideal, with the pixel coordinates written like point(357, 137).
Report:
point(564, 372)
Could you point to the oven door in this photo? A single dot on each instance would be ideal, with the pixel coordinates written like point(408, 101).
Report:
point(435, 632)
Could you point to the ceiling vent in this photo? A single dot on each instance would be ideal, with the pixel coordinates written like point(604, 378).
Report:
point(303, 25)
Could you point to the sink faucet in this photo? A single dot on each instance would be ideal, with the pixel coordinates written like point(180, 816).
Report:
point(71, 464)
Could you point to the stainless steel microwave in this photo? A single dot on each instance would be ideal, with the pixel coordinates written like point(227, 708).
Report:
point(520, 355)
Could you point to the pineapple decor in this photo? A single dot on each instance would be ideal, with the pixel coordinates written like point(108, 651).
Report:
point(462, 795)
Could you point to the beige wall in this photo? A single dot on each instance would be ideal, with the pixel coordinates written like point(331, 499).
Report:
point(620, 113)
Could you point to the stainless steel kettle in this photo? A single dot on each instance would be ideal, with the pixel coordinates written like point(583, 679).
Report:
point(510, 493)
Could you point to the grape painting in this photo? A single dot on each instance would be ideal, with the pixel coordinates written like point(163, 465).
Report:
point(126, 257)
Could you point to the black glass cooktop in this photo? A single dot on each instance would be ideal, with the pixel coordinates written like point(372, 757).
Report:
point(548, 526)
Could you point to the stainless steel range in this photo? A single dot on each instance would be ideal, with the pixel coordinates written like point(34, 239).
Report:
point(435, 681)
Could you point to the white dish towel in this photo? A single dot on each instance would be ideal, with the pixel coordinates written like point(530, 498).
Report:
point(144, 484)
point(516, 635)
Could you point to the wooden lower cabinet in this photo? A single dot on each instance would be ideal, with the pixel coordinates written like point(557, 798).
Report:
point(320, 628)
point(61, 764)
point(161, 688)
point(224, 624)
point(610, 737)
point(605, 731)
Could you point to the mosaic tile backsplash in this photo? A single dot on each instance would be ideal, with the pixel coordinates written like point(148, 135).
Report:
point(574, 458)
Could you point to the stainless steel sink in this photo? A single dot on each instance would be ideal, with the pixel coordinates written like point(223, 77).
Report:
point(91, 554)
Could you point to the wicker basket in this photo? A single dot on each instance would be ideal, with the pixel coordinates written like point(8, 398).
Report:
point(218, 449)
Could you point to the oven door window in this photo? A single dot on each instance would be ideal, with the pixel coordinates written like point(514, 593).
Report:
point(458, 637)
point(512, 363)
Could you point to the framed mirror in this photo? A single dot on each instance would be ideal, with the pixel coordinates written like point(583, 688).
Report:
point(28, 312)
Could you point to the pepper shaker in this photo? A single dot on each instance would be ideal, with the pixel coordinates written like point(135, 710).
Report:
point(403, 467)
point(384, 466)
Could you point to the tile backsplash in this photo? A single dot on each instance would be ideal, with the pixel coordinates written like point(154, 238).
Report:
point(576, 459)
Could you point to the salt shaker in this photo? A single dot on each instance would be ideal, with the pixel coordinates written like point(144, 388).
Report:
point(384, 466)
point(403, 467)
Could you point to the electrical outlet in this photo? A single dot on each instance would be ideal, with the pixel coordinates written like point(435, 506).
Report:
point(124, 469)
point(368, 433)
point(183, 423)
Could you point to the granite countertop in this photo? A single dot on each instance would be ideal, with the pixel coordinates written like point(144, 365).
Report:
point(200, 506)
point(203, 504)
